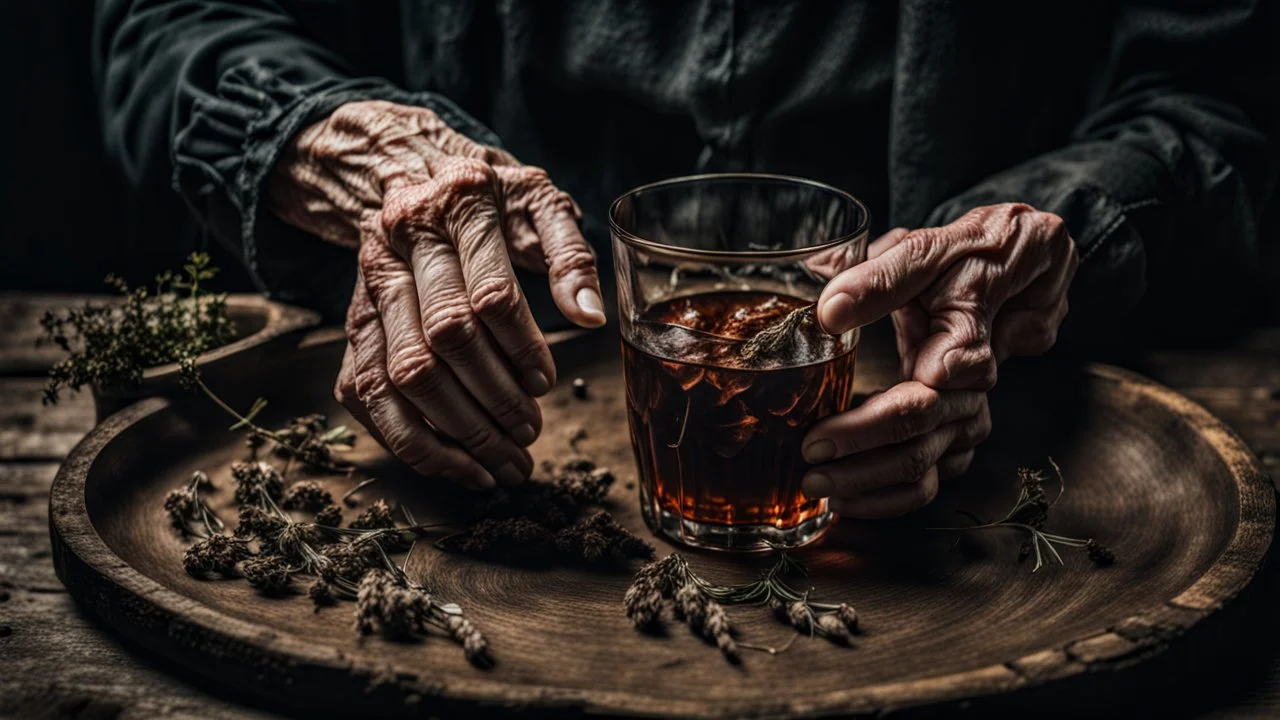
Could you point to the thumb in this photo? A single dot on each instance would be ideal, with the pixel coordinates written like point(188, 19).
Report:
point(865, 293)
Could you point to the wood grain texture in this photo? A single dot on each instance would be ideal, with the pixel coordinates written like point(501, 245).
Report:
point(1151, 473)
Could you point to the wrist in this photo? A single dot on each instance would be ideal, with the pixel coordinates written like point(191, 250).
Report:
point(332, 176)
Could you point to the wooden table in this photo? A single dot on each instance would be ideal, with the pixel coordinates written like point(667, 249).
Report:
point(56, 662)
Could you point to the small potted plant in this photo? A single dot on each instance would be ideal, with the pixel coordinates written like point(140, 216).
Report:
point(136, 347)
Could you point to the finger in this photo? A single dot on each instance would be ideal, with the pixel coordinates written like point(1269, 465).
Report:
point(867, 292)
point(884, 467)
point(398, 423)
point(972, 430)
point(429, 225)
point(1021, 332)
point(571, 264)
point(423, 377)
point(494, 295)
point(522, 239)
point(957, 354)
point(886, 242)
point(891, 502)
point(954, 464)
point(910, 329)
point(455, 335)
point(903, 412)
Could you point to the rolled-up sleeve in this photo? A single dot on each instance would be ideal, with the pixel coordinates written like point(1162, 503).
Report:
point(202, 96)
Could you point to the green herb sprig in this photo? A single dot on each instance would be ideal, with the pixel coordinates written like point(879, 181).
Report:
point(110, 345)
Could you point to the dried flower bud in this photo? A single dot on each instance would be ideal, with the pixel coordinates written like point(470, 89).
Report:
point(600, 540)
point(512, 540)
point(254, 441)
point(250, 476)
point(330, 516)
point(200, 480)
point(831, 627)
point(377, 516)
point(255, 522)
point(691, 606)
point(473, 643)
point(350, 561)
point(663, 574)
point(1100, 554)
point(321, 593)
point(290, 541)
point(382, 603)
point(800, 617)
point(268, 574)
point(216, 554)
point(717, 628)
point(848, 616)
point(180, 505)
point(643, 602)
point(306, 495)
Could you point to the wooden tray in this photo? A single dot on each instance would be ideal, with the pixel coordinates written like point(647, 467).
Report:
point(1178, 495)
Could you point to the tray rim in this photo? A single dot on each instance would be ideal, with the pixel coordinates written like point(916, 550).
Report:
point(109, 587)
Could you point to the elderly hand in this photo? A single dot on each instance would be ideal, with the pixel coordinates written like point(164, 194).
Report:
point(964, 297)
point(443, 357)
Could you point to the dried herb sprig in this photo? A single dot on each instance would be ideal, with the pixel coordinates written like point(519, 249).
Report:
point(695, 600)
point(769, 341)
point(188, 511)
point(387, 601)
point(597, 541)
point(1030, 513)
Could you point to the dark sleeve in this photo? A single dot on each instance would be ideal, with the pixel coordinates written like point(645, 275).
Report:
point(202, 96)
point(1165, 179)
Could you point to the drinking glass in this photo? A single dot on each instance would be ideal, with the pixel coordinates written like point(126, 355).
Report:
point(725, 365)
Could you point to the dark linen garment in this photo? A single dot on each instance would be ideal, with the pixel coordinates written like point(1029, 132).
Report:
point(1145, 125)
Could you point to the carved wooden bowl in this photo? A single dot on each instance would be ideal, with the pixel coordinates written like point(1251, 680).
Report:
point(1178, 496)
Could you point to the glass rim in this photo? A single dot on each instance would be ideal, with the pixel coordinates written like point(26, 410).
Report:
point(859, 232)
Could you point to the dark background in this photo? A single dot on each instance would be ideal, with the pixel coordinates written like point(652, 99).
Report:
point(69, 218)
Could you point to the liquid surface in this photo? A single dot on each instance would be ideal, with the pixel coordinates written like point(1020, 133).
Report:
point(717, 431)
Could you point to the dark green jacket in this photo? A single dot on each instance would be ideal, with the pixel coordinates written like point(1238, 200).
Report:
point(1145, 125)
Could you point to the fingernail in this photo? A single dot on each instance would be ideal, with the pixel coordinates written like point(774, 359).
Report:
point(589, 300)
point(817, 485)
point(509, 474)
point(536, 382)
point(836, 314)
point(819, 451)
point(524, 435)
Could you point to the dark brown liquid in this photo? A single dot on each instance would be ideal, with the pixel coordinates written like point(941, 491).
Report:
point(716, 437)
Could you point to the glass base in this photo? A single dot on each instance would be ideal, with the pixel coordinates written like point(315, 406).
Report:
point(737, 538)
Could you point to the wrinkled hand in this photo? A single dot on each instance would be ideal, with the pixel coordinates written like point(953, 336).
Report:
point(443, 357)
point(964, 297)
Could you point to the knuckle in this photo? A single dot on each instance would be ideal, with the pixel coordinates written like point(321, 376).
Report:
point(916, 462)
point(920, 248)
point(507, 409)
point(571, 259)
point(450, 331)
point(410, 372)
point(479, 438)
point(411, 209)
point(417, 454)
point(496, 298)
